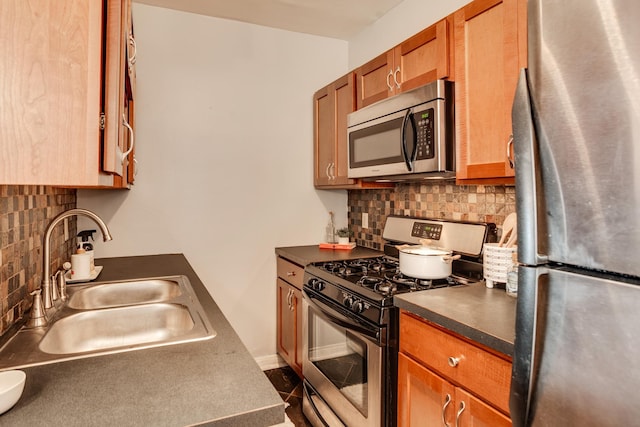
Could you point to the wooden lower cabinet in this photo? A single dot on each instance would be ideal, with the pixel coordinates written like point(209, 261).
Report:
point(289, 314)
point(472, 392)
point(426, 399)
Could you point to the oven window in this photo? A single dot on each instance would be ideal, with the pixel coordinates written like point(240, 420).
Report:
point(342, 357)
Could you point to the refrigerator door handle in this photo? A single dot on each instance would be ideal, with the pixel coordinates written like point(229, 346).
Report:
point(529, 200)
point(530, 324)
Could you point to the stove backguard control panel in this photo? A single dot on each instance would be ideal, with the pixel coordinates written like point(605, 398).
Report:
point(426, 230)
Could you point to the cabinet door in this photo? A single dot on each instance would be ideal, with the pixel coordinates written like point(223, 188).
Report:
point(332, 104)
point(50, 80)
point(324, 145)
point(423, 58)
point(118, 130)
point(296, 306)
point(424, 399)
point(374, 80)
point(490, 37)
point(286, 325)
point(471, 412)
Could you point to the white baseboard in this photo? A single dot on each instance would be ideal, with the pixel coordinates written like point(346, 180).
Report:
point(272, 361)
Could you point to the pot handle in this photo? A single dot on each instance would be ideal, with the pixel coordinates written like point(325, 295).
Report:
point(449, 258)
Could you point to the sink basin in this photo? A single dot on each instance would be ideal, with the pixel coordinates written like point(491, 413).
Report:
point(125, 293)
point(112, 317)
point(117, 327)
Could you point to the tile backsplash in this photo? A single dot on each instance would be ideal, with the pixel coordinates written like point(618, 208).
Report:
point(25, 212)
point(481, 203)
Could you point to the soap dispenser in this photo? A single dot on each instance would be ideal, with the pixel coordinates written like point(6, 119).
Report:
point(84, 243)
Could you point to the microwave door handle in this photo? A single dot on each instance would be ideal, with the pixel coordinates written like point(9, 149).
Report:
point(408, 160)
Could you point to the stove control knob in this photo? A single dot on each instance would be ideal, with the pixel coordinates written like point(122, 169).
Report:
point(348, 301)
point(316, 285)
point(357, 307)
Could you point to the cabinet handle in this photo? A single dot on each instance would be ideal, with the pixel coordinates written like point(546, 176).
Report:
point(459, 413)
point(389, 85)
point(135, 166)
point(132, 58)
point(395, 79)
point(333, 170)
point(131, 141)
point(512, 163)
point(327, 171)
point(289, 293)
point(453, 361)
point(291, 273)
point(291, 300)
point(447, 401)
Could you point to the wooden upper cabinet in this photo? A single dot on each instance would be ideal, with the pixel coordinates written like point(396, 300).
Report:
point(50, 70)
point(54, 60)
point(490, 49)
point(331, 106)
point(419, 60)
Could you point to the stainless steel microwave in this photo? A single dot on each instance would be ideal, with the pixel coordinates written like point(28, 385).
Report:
point(405, 137)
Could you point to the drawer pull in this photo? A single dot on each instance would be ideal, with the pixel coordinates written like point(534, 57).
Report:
point(453, 361)
point(444, 410)
point(291, 273)
point(460, 411)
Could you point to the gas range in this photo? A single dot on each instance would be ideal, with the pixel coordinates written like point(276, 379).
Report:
point(378, 279)
point(366, 286)
point(349, 320)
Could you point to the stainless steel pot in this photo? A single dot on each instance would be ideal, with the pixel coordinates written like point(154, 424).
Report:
point(425, 262)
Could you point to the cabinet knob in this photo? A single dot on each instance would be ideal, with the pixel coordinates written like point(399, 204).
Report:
point(453, 361)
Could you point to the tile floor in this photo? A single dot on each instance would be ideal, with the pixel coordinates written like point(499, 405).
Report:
point(289, 385)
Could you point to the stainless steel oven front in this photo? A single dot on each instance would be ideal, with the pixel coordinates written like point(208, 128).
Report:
point(343, 366)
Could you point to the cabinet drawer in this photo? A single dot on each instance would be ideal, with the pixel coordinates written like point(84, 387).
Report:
point(479, 371)
point(290, 272)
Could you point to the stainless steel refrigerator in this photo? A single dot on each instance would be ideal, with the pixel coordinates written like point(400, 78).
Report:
point(576, 127)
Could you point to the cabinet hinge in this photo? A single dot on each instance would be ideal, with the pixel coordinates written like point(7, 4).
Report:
point(102, 120)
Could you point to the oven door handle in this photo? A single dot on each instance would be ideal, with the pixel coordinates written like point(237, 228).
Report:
point(331, 315)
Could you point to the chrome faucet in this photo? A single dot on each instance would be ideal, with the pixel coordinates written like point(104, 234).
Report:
point(48, 287)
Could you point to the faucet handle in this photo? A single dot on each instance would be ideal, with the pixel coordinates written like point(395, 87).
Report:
point(54, 288)
point(62, 284)
point(37, 318)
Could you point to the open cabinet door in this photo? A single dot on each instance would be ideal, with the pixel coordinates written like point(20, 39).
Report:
point(118, 137)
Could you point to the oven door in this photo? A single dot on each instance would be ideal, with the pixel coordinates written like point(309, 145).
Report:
point(343, 362)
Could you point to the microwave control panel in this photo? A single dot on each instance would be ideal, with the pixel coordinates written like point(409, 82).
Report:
point(425, 133)
point(425, 230)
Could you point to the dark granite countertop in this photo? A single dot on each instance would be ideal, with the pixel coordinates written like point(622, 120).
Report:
point(484, 315)
point(214, 382)
point(303, 255)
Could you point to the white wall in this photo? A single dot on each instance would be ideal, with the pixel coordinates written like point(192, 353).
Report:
point(400, 23)
point(224, 140)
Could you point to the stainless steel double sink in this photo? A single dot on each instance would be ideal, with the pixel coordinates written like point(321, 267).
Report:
point(112, 317)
